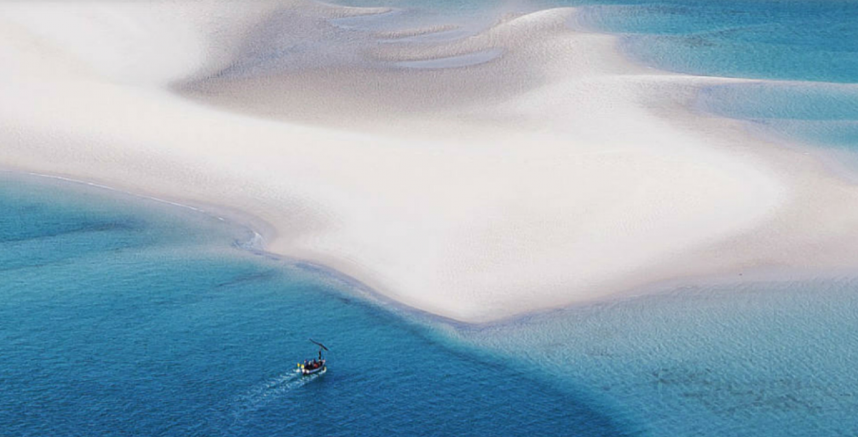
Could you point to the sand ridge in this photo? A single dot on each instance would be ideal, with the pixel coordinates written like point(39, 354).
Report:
point(543, 175)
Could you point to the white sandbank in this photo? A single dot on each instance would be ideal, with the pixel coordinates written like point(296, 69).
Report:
point(553, 172)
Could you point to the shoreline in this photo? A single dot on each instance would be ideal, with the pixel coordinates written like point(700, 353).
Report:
point(259, 234)
point(484, 223)
point(256, 245)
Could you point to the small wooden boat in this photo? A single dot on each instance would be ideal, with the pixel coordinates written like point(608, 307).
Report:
point(312, 367)
point(309, 367)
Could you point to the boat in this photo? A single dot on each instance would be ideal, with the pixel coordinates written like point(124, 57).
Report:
point(309, 367)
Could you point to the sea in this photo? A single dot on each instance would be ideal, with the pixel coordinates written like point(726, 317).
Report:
point(123, 315)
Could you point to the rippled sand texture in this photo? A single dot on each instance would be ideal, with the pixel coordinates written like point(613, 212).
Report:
point(473, 169)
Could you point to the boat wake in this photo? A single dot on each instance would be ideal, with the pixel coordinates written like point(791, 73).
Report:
point(267, 392)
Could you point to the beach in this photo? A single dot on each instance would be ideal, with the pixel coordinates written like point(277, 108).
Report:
point(525, 167)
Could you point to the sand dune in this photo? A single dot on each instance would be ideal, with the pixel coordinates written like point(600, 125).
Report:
point(545, 171)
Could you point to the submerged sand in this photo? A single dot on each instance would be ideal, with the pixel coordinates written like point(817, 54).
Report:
point(507, 168)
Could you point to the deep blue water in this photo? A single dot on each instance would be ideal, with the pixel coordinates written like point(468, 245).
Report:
point(124, 317)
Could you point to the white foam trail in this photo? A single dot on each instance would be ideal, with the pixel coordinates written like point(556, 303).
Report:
point(263, 394)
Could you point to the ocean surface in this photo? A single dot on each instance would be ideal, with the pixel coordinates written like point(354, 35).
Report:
point(740, 359)
point(125, 316)
point(747, 358)
point(122, 316)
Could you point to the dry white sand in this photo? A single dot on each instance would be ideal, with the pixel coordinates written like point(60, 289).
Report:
point(525, 167)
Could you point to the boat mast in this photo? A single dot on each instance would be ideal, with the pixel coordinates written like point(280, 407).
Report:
point(321, 346)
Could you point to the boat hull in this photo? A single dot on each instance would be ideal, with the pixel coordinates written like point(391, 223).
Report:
point(313, 371)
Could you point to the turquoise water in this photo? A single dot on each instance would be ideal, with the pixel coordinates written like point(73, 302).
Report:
point(124, 317)
point(764, 39)
point(741, 359)
point(818, 114)
point(807, 43)
point(804, 52)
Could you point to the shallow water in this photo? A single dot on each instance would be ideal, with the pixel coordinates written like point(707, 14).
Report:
point(741, 359)
point(765, 39)
point(807, 43)
point(820, 114)
point(805, 51)
point(124, 317)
